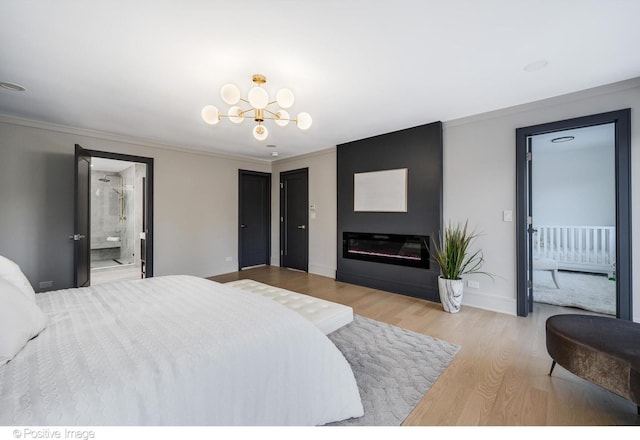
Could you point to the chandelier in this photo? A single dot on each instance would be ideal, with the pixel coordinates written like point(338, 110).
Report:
point(259, 102)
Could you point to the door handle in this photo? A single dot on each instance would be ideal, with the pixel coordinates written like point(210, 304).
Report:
point(76, 237)
point(302, 226)
point(243, 226)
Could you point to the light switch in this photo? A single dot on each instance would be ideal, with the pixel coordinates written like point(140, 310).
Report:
point(507, 216)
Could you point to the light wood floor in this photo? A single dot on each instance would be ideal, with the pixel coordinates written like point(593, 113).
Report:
point(500, 375)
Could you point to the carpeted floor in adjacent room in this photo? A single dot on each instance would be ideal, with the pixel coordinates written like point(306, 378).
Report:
point(592, 292)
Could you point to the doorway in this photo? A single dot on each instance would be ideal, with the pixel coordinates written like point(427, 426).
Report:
point(294, 219)
point(254, 231)
point(113, 217)
point(573, 211)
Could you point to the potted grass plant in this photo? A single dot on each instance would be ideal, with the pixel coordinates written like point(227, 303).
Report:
point(455, 258)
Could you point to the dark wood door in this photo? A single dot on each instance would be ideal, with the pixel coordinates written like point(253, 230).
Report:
point(255, 219)
point(530, 229)
point(294, 216)
point(82, 218)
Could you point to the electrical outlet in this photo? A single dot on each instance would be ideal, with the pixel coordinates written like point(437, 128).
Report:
point(46, 284)
point(473, 284)
point(228, 259)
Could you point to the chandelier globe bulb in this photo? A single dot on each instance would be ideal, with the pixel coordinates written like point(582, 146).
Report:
point(258, 98)
point(282, 118)
point(230, 94)
point(285, 98)
point(236, 115)
point(304, 121)
point(260, 132)
point(210, 114)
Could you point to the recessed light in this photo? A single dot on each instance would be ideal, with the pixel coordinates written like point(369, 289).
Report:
point(11, 86)
point(536, 65)
point(562, 139)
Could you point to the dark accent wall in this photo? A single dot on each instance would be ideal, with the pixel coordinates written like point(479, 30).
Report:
point(420, 150)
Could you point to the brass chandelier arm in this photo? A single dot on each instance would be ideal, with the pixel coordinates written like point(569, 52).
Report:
point(242, 113)
point(269, 111)
point(266, 117)
point(276, 117)
point(279, 119)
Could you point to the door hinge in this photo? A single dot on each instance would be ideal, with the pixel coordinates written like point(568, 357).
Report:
point(529, 155)
point(281, 185)
point(530, 284)
point(281, 219)
point(529, 220)
point(281, 252)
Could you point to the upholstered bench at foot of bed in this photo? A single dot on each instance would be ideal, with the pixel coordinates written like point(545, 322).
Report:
point(602, 350)
point(326, 315)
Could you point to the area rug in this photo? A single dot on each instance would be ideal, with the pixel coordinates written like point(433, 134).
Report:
point(393, 368)
point(595, 293)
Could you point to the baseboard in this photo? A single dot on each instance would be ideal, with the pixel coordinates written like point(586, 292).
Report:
point(489, 302)
point(325, 271)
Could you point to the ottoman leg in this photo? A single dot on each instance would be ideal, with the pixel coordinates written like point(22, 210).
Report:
point(553, 365)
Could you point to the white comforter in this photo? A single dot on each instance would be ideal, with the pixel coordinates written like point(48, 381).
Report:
point(175, 350)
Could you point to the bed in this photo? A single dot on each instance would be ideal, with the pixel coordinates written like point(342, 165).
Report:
point(174, 350)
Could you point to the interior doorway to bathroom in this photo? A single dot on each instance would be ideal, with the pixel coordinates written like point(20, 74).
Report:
point(116, 219)
point(113, 218)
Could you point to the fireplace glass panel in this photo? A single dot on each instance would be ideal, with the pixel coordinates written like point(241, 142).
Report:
point(405, 250)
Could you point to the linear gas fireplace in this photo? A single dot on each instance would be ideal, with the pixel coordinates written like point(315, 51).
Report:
point(403, 250)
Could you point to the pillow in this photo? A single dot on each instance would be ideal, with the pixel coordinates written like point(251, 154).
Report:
point(20, 321)
point(11, 272)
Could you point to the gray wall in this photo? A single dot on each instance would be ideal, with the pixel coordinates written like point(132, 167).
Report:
point(36, 200)
point(196, 211)
point(322, 219)
point(574, 187)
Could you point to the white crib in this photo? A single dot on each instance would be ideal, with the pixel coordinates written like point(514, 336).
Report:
point(577, 248)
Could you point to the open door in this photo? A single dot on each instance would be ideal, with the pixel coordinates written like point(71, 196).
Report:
point(84, 159)
point(82, 219)
point(530, 228)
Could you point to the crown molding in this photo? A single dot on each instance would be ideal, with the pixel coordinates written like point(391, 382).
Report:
point(547, 102)
point(305, 156)
point(124, 139)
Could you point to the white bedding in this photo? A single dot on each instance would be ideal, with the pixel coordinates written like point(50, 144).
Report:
point(175, 350)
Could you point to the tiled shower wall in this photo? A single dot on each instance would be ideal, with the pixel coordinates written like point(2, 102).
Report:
point(105, 211)
point(116, 211)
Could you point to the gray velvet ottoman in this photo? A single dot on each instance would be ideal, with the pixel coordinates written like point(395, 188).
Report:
point(605, 351)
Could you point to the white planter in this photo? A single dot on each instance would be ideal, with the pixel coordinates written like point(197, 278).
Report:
point(450, 294)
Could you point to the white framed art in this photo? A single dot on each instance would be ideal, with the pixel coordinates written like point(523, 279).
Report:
point(380, 191)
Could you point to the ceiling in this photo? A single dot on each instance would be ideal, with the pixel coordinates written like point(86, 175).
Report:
point(144, 69)
point(99, 164)
point(595, 136)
